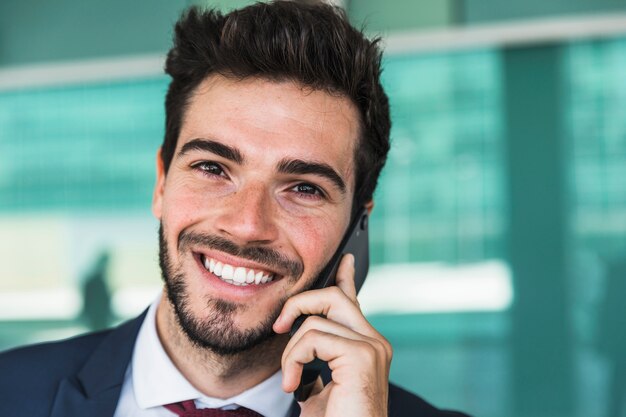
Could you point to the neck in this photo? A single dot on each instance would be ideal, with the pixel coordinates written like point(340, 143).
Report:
point(218, 376)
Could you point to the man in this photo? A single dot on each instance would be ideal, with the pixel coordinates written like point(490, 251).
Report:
point(277, 129)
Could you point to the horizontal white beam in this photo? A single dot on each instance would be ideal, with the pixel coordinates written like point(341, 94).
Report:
point(498, 35)
point(512, 33)
point(80, 72)
point(62, 303)
point(437, 288)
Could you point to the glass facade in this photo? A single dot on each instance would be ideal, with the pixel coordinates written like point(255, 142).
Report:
point(441, 197)
point(76, 178)
point(597, 127)
point(80, 148)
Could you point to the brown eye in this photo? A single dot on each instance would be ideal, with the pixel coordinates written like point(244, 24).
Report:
point(308, 191)
point(209, 168)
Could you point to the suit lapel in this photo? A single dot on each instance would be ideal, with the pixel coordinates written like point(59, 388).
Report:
point(95, 390)
point(72, 402)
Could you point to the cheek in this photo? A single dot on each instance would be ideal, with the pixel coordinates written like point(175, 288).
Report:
point(315, 240)
point(183, 205)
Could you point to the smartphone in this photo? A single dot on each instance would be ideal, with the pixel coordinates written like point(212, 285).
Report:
point(356, 242)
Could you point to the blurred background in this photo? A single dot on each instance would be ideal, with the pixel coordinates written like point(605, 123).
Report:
point(499, 235)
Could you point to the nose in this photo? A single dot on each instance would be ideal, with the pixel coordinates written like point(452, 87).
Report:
point(248, 217)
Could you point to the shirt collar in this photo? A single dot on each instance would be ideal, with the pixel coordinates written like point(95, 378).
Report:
point(156, 380)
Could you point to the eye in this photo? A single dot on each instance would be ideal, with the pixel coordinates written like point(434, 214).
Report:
point(209, 168)
point(308, 191)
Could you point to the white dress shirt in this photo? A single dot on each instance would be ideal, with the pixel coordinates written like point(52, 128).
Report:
point(152, 381)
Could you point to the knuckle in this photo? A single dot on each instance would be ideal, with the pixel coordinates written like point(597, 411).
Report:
point(311, 334)
point(379, 346)
point(312, 322)
point(338, 295)
point(384, 345)
point(335, 292)
point(388, 348)
point(367, 351)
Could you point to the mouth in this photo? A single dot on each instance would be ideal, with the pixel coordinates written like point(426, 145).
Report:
point(236, 275)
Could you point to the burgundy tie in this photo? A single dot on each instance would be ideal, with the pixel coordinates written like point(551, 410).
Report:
point(188, 409)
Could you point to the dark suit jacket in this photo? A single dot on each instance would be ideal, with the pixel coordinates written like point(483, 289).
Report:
point(83, 376)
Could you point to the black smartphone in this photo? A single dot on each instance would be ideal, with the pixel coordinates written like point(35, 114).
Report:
point(356, 242)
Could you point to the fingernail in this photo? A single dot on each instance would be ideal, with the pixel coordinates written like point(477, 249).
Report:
point(351, 257)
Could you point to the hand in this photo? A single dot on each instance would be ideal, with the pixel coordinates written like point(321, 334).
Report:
point(358, 356)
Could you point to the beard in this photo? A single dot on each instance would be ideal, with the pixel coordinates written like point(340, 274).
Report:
point(218, 332)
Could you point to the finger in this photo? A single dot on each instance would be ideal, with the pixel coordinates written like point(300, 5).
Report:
point(317, 402)
point(323, 325)
point(339, 352)
point(330, 302)
point(345, 277)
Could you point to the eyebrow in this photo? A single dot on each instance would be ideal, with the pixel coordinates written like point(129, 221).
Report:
point(217, 148)
point(298, 166)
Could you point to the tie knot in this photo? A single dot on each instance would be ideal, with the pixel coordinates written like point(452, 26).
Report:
point(188, 409)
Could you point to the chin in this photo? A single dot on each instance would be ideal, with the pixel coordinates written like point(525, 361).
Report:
point(216, 315)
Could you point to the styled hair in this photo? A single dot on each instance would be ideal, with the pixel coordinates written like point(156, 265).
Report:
point(311, 44)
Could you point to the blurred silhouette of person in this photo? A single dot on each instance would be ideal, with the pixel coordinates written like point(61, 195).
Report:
point(612, 335)
point(96, 295)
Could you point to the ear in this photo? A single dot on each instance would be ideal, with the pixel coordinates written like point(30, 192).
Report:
point(369, 206)
point(157, 196)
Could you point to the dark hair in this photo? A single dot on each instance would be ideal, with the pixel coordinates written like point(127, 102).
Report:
point(312, 44)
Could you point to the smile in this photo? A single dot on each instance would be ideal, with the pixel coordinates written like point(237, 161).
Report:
point(236, 275)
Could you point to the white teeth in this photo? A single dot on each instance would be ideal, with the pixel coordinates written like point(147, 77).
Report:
point(239, 275)
point(228, 272)
point(218, 269)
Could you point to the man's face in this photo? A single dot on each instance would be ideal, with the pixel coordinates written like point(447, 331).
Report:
point(255, 202)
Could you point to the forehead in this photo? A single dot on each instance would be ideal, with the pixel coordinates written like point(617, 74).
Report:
point(274, 119)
